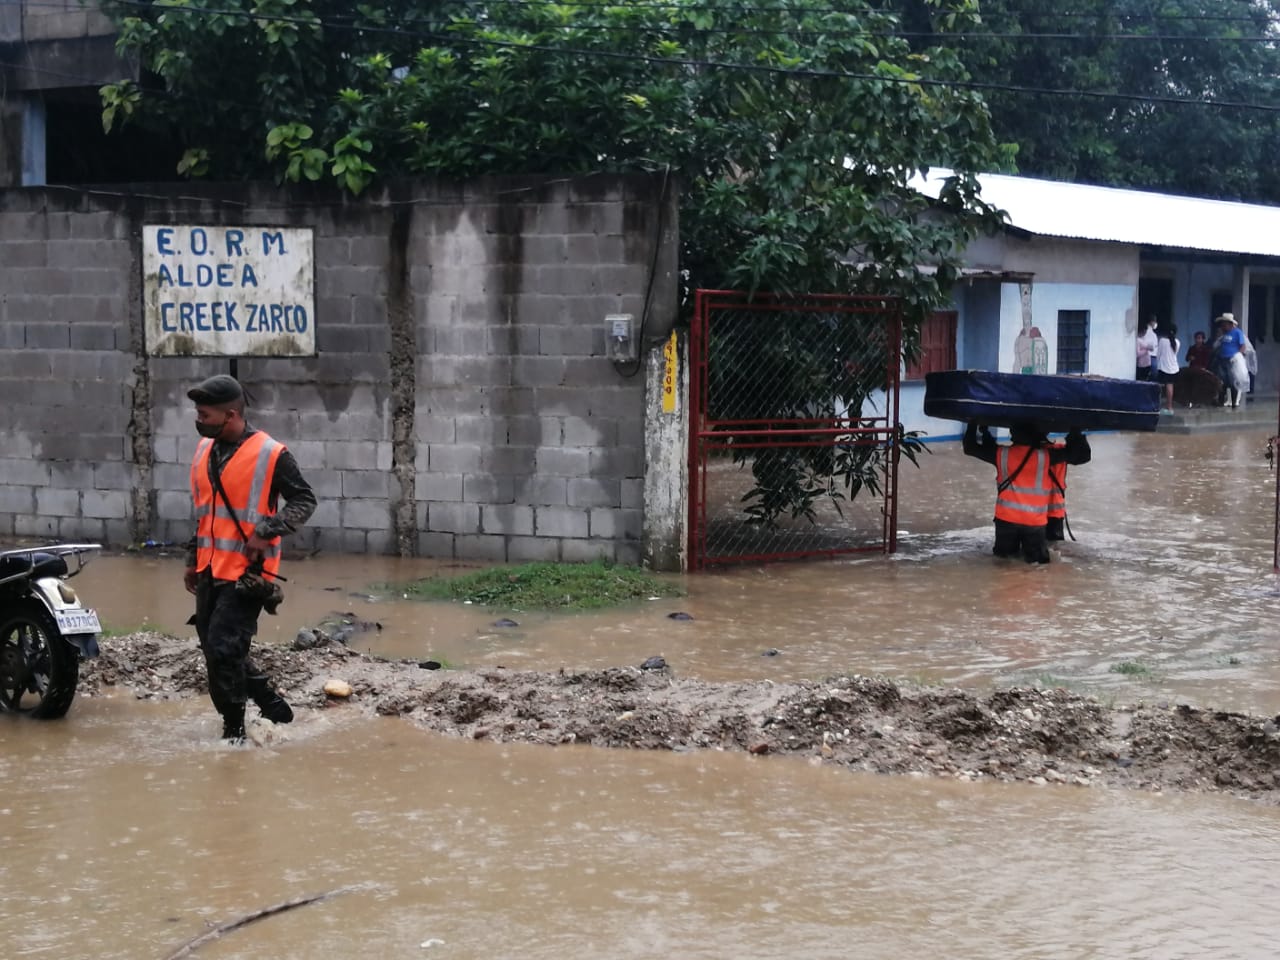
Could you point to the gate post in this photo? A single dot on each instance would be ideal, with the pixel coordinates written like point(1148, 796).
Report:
point(664, 544)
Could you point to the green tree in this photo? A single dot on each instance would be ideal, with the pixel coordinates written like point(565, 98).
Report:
point(792, 130)
point(1147, 52)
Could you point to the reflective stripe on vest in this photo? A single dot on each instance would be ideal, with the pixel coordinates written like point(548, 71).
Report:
point(246, 480)
point(1026, 499)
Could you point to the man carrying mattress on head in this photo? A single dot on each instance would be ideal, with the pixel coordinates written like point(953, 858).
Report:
point(1029, 472)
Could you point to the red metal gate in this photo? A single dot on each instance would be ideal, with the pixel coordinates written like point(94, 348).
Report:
point(794, 432)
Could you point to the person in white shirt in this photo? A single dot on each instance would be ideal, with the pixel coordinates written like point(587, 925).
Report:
point(1147, 344)
point(1167, 362)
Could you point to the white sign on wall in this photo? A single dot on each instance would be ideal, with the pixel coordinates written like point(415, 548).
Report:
point(228, 291)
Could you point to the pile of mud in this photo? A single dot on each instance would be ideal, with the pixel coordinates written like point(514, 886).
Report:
point(860, 722)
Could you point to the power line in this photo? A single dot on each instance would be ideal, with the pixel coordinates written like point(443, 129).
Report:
point(690, 62)
point(334, 22)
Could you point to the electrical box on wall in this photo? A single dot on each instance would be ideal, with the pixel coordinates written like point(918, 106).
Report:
point(620, 336)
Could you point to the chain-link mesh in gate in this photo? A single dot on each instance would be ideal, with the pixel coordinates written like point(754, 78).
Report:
point(795, 417)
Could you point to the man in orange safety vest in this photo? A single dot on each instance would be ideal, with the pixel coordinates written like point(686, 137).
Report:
point(1025, 484)
point(238, 476)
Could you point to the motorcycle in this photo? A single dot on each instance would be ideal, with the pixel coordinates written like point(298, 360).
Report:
point(45, 631)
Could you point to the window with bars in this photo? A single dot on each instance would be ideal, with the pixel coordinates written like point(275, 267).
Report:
point(1073, 341)
point(937, 345)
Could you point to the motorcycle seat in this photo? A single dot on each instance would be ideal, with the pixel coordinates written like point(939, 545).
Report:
point(41, 565)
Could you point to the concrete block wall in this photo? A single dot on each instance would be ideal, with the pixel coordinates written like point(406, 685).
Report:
point(461, 403)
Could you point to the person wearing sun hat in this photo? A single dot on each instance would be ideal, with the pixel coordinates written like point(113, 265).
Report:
point(1229, 344)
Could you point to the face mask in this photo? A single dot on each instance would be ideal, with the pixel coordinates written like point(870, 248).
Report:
point(210, 431)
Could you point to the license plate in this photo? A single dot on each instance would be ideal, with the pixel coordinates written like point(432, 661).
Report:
point(77, 621)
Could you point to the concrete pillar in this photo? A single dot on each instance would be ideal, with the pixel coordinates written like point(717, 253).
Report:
point(1240, 297)
point(33, 141)
point(664, 544)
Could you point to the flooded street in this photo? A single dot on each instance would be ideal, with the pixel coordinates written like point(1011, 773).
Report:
point(129, 830)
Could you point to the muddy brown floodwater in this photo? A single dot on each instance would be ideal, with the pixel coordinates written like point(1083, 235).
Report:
point(759, 829)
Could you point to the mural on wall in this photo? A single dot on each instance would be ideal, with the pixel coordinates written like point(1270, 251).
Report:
point(1030, 350)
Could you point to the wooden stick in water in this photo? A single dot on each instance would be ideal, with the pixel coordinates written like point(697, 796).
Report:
point(224, 928)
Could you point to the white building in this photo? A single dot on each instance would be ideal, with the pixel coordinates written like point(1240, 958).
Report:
point(1076, 266)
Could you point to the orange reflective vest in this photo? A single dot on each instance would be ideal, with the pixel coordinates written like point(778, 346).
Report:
point(1023, 498)
point(1058, 486)
point(246, 480)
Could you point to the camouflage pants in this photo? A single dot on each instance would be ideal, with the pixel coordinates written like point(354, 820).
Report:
point(226, 623)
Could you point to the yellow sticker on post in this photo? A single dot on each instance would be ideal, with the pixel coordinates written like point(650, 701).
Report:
point(669, 370)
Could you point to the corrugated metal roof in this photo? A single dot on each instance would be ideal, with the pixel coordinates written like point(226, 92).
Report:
point(1053, 209)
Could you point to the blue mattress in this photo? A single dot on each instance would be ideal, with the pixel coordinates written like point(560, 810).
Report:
point(1053, 403)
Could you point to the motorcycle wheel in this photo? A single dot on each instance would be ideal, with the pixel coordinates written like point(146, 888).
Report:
point(38, 668)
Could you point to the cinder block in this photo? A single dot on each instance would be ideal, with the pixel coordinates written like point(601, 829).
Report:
point(366, 514)
point(544, 491)
point(93, 336)
point(31, 525)
point(438, 486)
point(627, 553)
point(477, 546)
point(15, 444)
point(325, 484)
point(339, 338)
point(80, 448)
point(453, 518)
point(437, 546)
point(56, 502)
point(104, 504)
point(350, 454)
point(115, 476)
point(485, 488)
point(328, 513)
point(330, 540)
point(23, 472)
point(508, 519)
point(455, 458)
point(381, 543)
point(509, 461)
point(164, 449)
point(563, 461)
point(617, 462)
point(560, 522)
point(593, 492)
point(539, 371)
point(368, 484)
point(17, 499)
point(480, 430)
point(48, 336)
point(586, 551)
point(632, 494)
point(623, 403)
point(571, 341)
point(593, 432)
point(171, 505)
point(531, 549)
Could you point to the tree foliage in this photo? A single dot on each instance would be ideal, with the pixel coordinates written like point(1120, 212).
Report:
point(1227, 51)
point(795, 156)
point(792, 130)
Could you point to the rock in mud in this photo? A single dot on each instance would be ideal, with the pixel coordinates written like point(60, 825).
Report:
point(339, 689)
point(505, 622)
point(679, 615)
point(654, 663)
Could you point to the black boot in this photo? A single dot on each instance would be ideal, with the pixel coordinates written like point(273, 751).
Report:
point(233, 724)
point(273, 706)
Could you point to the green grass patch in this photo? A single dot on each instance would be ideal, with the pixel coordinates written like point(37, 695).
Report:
point(545, 586)
point(109, 631)
point(1130, 668)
